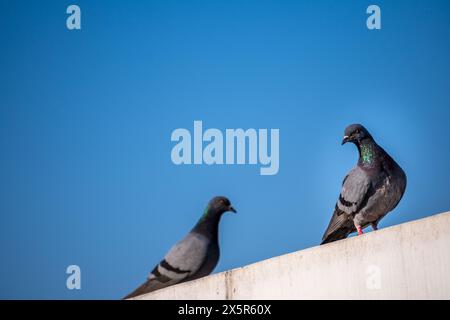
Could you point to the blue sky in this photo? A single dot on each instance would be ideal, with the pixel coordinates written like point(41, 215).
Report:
point(86, 118)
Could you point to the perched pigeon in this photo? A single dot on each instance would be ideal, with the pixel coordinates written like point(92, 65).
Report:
point(370, 190)
point(195, 256)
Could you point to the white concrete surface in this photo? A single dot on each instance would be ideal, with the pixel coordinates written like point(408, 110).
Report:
point(407, 261)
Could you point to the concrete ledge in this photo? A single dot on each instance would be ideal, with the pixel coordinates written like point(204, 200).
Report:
point(407, 261)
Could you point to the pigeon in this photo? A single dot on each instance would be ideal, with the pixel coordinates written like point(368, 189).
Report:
point(195, 256)
point(370, 190)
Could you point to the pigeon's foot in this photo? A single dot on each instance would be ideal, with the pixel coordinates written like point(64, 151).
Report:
point(360, 232)
point(374, 226)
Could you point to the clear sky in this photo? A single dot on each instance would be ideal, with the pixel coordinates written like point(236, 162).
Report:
point(86, 117)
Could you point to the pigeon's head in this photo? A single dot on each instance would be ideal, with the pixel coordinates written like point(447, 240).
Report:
point(221, 205)
point(355, 133)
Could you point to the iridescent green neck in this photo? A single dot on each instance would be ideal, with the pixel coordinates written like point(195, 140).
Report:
point(205, 214)
point(366, 153)
point(208, 224)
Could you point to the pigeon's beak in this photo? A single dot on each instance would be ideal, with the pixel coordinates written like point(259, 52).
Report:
point(345, 140)
point(230, 208)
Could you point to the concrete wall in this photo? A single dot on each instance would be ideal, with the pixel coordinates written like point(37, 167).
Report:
point(407, 261)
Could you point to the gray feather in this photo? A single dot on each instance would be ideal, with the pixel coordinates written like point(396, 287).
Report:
point(370, 190)
point(195, 256)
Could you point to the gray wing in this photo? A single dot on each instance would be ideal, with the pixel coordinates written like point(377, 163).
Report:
point(185, 258)
point(182, 261)
point(355, 190)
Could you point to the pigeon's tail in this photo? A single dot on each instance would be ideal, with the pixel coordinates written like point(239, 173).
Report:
point(149, 286)
point(338, 235)
point(339, 228)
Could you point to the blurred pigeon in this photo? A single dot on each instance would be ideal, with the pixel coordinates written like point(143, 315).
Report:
point(370, 190)
point(195, 256)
